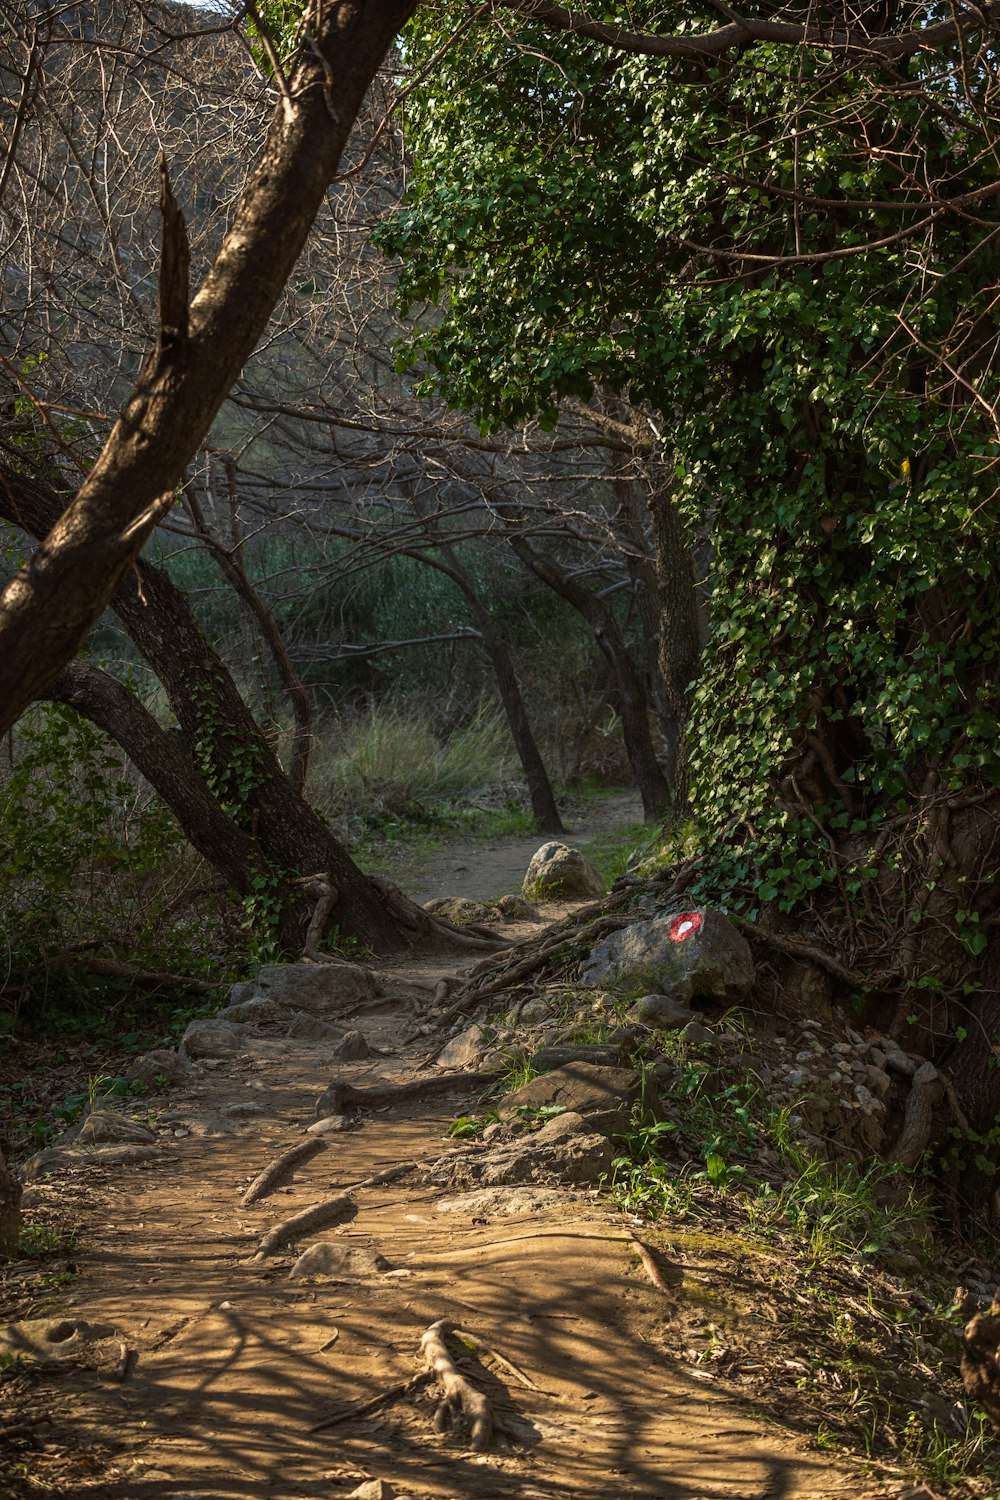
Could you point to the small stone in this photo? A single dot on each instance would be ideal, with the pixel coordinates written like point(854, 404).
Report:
point(696, 1033)
point(661, 1011)
point(373, 1489)
point(465, 1049)
point(304, 1027)
point(158, 1069)
point(212, 1039)
point(561, 1127)
point(257, 1011)
point(353, 1048)
point(241, 1111)
point(331, 1258)
point(101, 1127)
point(535, 1011)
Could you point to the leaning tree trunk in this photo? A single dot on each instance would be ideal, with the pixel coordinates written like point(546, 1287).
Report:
point(261, 827)
point(203, 343)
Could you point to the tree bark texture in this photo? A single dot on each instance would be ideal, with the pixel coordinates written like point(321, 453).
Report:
point(48, 608)
point(679, 646)
point(10, 1211)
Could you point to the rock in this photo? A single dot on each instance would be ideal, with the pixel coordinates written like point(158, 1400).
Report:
point(241, 1111)
point(67, 1158)
point(352, 1048)
point(158, 1069)
point(697, 1033)
point(331, 1258)
point(320, 989)
point(304, 1027)
point(465, 1049)
point(574, 1159)
point(257, 1011)
point(500, 1202)
point(329, 1125)
point(45, 1339)
point(535, 1011)
point(102, 1128)
point(558, 1054)
point(202, 1124)
point(516, 909)
point(581, 1087)
point(557, 872)
point(689, 954)
point(561, 1127)
point(458, 910)
point(373, 1489)
point(216, 1039)
point(661, 1011)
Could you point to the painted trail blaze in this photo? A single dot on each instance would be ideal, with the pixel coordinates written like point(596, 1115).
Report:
point(683, 926)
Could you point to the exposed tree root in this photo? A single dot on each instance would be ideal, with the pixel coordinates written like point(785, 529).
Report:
point(112, 968)
point(459, 1397)
point(798, 948)
point(304, 1222)
point(649, 1265)
point(516, 970)
point(926, 1091)
point(339, 1097)
point(281, 1168)
point(422, 925)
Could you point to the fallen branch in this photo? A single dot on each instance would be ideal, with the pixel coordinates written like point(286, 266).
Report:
point(376, 1403)
point(281, 1168)
point(458, 1395)
point(649, 1264)
point(480, 1348)
point(111, 968)
point(304, 1222)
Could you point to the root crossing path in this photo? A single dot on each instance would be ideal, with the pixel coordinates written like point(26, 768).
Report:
point(453, 1353)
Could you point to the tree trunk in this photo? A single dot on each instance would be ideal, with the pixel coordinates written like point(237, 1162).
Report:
point(543, 802)
point(10, 1212)
point(49, 607)
point(261, 827)
point(679, 636)
point(633, 701)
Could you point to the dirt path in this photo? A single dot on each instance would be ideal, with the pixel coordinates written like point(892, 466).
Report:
point(233, 1362)
point(482, 869)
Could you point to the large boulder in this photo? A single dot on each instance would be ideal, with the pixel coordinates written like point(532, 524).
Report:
point(557, 872)
point(214, 1039)
point(158, 1069)
point(688, 955)
point(320, 989)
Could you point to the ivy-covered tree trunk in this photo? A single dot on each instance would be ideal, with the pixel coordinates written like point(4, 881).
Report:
point(218, 773)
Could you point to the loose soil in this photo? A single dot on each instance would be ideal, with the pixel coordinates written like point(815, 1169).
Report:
point(480, 869)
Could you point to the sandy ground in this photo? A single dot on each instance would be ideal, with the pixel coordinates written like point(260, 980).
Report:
point(232, 1362)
